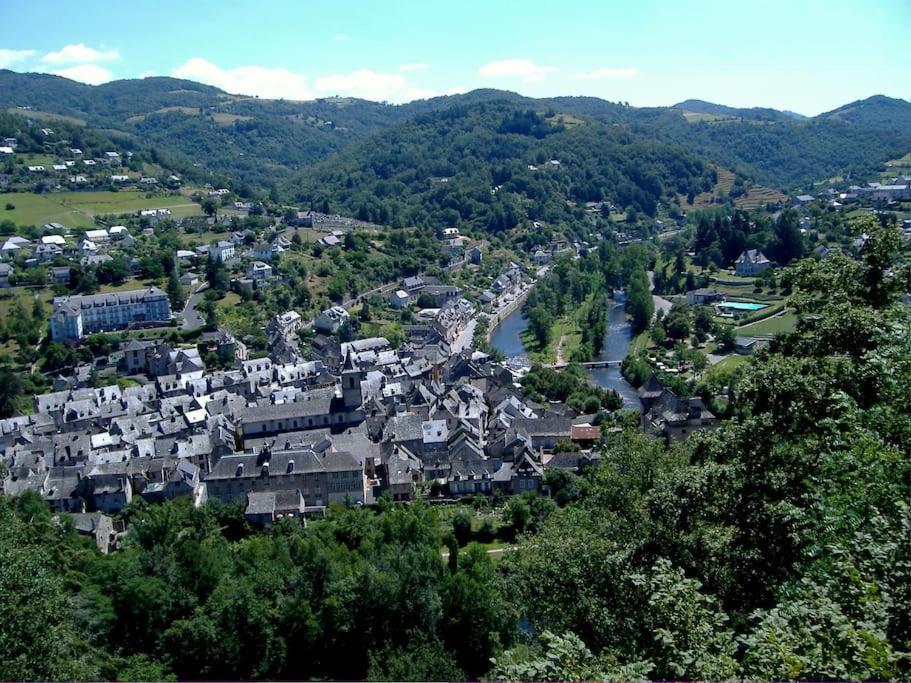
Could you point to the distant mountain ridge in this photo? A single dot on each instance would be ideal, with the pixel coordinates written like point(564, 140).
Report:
point(262, 143)
point(878, 110)
point(751, 113)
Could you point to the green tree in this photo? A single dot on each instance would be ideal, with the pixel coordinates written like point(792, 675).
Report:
point(176, 294)
point(38, 640)
point(11, 389)
point(639, 303)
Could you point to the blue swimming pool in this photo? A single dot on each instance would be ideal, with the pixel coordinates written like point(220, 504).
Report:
point(741, 306)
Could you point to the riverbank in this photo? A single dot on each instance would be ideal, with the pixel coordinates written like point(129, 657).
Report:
point(503, 313)
point(617, 340)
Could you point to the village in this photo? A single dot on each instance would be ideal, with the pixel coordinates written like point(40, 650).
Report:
point(322, 415)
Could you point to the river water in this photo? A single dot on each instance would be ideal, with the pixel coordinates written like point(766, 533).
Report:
point(505, 337)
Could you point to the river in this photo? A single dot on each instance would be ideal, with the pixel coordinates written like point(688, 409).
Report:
point(505, 337)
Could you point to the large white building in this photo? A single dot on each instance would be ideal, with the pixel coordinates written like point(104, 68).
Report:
point(74, 317)
point(331, 319)
point(221, 251)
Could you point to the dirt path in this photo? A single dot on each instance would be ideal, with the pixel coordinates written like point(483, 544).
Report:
point(491, 551)
point(559, 352)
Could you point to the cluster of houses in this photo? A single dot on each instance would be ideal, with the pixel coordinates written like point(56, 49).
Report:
point(76, 169)
point(897, 189)
point(288, 438)
point(91, 248)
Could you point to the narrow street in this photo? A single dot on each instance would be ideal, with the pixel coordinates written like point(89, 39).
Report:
point(192, 320)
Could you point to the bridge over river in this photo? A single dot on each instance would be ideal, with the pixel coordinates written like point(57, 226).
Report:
point(589, 364)
point(604, 372)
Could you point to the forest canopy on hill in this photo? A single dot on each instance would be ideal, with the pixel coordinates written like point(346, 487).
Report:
point(257, 144)
point(491, 165)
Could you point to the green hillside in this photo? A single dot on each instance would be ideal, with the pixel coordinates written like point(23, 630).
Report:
point(493, 164)
point(258, 144)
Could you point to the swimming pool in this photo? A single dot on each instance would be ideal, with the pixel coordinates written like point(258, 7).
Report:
point(741, 306)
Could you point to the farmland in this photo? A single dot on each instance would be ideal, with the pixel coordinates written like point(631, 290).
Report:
point(79, 209)
point(758, 196)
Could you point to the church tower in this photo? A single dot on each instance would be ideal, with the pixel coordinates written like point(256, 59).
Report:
point(351, 384)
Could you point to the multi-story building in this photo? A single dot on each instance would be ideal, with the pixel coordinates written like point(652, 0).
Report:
point(322, 478)
point(331, 319)
point(73, 317)
point(221, 251)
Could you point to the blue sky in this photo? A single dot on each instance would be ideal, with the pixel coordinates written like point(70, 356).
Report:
point(805, 55)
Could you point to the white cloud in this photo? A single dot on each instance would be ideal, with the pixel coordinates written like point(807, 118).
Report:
point(10, 57)
point(80, 54)
point(457, 90)
point(420, 66)
point(606, 72)
point(338, 38)
point(261, 81)
point(526, 69)
point(371, 85)
point(86, 73)
point(278, 82)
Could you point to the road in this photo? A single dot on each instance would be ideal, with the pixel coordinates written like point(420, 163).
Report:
point(661, 304)
point(463, 341)
point(192, 320)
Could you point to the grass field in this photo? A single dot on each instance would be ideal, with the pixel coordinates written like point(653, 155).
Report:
point(780, 324)
point(730, 363)
point(9, 297)
point(46, 116)
point(225, 119)
point(697, 117)
point(78, 209)
point(638, 344)
point(190, 111)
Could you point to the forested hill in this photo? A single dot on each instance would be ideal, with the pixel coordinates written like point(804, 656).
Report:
point(753, 113)
point(250, 142)
point(878, 111)
point(493, 164)
point(261, 143)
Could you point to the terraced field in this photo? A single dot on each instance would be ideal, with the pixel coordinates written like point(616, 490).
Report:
point(707, 199)
point(759, 196)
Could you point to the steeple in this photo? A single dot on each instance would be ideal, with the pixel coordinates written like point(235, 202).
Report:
point(351, 383)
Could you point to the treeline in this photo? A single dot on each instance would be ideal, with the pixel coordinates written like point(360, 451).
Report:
point(571, 386)
point(195, 594)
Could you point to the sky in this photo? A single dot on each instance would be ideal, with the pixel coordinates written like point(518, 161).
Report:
point(807, 56)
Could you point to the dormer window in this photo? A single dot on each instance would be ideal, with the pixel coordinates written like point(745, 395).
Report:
point(239, 472)
point(290, 466)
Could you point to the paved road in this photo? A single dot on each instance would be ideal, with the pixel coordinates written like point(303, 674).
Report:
point(661, 304)
point(192, 320)
point(463, 341)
